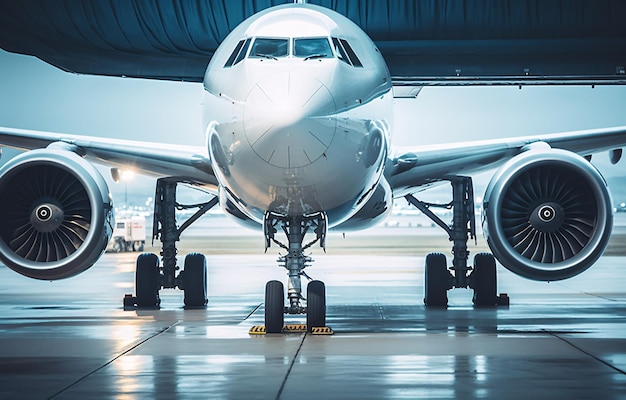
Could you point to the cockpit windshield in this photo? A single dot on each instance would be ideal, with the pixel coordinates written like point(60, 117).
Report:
point(312, 48)
point(305, 48)
point(270, 48)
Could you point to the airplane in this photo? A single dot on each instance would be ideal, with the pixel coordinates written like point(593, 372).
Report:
point(298, 111)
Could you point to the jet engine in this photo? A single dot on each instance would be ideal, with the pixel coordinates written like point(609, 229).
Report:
point(547, 214)
point(56, 214)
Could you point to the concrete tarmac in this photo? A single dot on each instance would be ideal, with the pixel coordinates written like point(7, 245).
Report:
point(72, 339)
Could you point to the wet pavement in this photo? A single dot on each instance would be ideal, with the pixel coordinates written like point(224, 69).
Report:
point(72, 339)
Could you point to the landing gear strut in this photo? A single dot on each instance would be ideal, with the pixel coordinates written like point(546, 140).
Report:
point(150, 276)
point(295, 228)
point(438, 278)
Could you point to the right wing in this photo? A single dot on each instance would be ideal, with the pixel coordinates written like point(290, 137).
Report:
point(547, 212)
point(56, 209)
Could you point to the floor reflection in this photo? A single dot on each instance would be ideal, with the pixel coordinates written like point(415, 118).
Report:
point(72, 338)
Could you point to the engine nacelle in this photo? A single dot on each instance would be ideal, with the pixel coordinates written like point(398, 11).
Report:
point(56, 214)
point(547, 214)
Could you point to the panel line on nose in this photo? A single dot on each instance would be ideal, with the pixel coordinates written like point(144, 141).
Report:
point(263, 134)
point(318, 139)
point(265, 93)
point(312, 95)
point(307, 156)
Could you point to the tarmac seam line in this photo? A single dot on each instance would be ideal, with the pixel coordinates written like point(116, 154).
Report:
point(608, 364)
point(282, 385)
point(252, 312)
point(111, 361)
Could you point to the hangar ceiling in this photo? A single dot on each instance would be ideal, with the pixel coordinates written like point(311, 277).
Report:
point(425, 42)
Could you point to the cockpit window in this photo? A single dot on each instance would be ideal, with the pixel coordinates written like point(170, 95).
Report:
point(270, 48)
point(351, 54)
point(312, 48)
point(238, 53)
point(341, 53)
point(345, 53)
point(306, 48)
point(244, 50)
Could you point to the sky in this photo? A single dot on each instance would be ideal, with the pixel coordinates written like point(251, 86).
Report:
point(35, 95)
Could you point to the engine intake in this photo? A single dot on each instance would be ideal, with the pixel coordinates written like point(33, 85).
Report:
point(56, 214)
point(547, 214)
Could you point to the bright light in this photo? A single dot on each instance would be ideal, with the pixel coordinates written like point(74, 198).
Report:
point(127, 175)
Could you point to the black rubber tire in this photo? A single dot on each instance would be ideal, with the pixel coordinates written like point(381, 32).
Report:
point(147, 281)
point(274, 307)
point(436, 280)
point(195, 280)
point(315, 305)
point(484, 281)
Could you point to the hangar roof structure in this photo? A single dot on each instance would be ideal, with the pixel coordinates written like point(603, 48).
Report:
point(425, 42)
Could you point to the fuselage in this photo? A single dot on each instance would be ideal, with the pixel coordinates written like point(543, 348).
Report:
point(298, 106)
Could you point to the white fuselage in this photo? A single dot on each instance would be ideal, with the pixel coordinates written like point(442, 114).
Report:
point(298, 106)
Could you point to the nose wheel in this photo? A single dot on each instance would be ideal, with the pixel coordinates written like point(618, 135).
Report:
point(295, 261)
point(274, 306)
point(316, 305)
point(275, 309)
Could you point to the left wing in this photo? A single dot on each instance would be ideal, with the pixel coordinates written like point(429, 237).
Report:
point(156, 159)
point(416, 166)
point(546, 213)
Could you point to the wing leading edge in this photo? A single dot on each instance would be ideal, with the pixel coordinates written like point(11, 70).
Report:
point(411, 167)
point(154, 159)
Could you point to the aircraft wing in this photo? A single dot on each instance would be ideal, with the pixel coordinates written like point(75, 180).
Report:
point(155, 159)
point(416, 166)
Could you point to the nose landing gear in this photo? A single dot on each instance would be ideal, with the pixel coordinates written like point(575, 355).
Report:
point(295, 228)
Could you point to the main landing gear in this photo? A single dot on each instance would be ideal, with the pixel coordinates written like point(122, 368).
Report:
point(438, 278)
point(295, 228)
point(150, 276)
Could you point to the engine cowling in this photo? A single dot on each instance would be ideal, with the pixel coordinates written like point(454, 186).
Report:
point(56, 213)
point(547, 214)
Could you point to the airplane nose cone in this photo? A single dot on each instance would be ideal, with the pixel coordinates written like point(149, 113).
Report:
point(289, 119)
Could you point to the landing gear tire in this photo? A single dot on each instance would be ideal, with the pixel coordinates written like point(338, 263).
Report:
point(436, 280)
point(195, 280)
point(147, 283)
point(316, 305)
point(274, 307)
point(484, 281)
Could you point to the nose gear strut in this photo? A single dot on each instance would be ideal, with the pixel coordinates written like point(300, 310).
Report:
point(295, 228)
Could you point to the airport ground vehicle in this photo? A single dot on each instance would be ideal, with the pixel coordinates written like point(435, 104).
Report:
point(129, 234)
